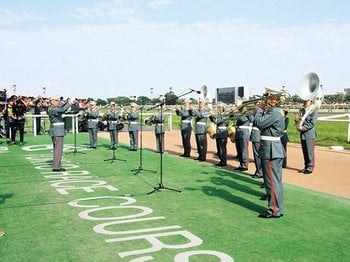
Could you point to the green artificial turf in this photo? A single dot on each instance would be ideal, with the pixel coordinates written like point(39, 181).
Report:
point(216, 206)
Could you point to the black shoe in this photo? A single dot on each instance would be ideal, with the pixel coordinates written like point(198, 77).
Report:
point(202, 160)
point(268, 215)
point(241, 168)
point(221, 164)
point(307, 172)
point(185, 155)
point(59, 170)
point(264, 197)
point(301, 170)
point(256, 176)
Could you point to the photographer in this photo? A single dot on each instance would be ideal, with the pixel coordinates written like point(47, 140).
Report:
point(19, 108)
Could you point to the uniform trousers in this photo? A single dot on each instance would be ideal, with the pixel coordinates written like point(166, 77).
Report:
point(242, 151)
point(272, 170)
point(113, 134)
point(57, 142)
point(257, 160)
point(160, 142)
point(186, 141)
point(93, 136)
point(221, 144)
point(133, 135)
point(202, 146)
point(308, 147)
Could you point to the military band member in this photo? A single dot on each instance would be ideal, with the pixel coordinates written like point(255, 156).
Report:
point(243, 125)
point(92, 114)
point(57, 131)
point(133, 127)
point(255, 138)
point(221, 122)
point(308, 138)
point(186, 126)
point(159, 130)
point(201, 116)
point(285, 138)
point(270, 121)
point(113, 122)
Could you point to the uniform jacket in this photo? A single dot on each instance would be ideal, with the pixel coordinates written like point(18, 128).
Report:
point(113, 119)
point(242, 125)
point(133, 117)
point(221, 124)
point(255, 133)
point(186, 119)
point(271, 125)
point(285, 138)
point(200, 117)
point(159, 120)
point(56, 119)
point(309, 131)
point(92, 118)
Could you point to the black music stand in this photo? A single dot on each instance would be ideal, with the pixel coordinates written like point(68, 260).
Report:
point(75, 136)
point(140, 168)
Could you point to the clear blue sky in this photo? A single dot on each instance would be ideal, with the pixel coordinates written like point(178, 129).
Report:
point(100, 49)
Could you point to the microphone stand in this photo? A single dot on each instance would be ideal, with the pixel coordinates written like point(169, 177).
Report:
point(114, 158)
point(74, 128)
point(140, 168)
point(160, 184)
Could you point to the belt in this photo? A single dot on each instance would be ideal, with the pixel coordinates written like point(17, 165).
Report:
point(244, 127)
point(186, 121)
point(201, 123)
point(270, 138)
point(285, 131)
point(255, 128)
point(133, 122)
point(222, 127)
point(93, 120)
point(114, 121)
point(58, 124)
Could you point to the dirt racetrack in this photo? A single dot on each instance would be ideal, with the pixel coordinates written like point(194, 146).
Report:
point(331, 174)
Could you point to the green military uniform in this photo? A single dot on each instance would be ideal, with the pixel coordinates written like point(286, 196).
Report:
point(271, 125)
point(159, 131)
point(221, 137)
point(255, 138)
point(201, 116)
point(242, 141)
point(186, 130)
point(92, 120)
point(113, 118)
point(133, 129)
point(308, 137)
point(57, 133)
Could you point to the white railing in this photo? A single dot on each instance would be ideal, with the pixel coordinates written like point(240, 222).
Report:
point(333, 119)
point(75, 120)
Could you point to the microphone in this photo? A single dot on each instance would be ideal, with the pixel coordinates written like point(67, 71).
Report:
point(197, 91)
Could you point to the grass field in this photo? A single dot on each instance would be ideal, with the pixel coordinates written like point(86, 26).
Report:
point(101, 211)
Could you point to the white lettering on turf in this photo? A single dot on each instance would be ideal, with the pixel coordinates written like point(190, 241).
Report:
point(64, 181)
